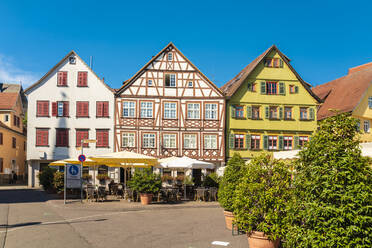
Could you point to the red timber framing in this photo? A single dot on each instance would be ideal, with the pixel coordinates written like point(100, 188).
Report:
point(191, 87)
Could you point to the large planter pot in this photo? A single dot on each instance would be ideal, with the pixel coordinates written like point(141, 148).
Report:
point(229, 218)
point(259, 240)
point(146, 198)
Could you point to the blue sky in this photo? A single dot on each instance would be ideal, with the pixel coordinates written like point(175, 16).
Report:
point(322, 38)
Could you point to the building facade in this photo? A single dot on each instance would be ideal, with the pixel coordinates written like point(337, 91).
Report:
point(169, 108)
point(270, 107)
point(12, 132)
point(349, 94)
point(68, 104)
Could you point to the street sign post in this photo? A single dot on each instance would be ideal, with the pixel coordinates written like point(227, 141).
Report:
point(72, 178)
point(82, 158)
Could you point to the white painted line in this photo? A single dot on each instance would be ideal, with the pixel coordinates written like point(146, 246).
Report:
point(222, 243)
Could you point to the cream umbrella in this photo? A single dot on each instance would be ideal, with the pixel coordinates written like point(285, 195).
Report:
point(126, 160)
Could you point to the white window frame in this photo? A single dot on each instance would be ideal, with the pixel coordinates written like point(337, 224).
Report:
point(210, 112)
point(287, 138)
point(190, 84)
point(146, 109)
point(128, 140)
point(370, 102)
point(272, 138)
point(210, 141)
point(305, 116)
point(303, 139)
point(169, 140)
point(60, 106)
point(193, 110)
point(131, 109)
point(255, 137)
point(366, 126)
point(148, 140)
point(149, 82)
point(189, 141)
point(170, 110)
point(170, 56)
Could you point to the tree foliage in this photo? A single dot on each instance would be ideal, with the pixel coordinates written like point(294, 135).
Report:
point(261, 197)
point(144, 181)
point(233, 172)
point(332, 205)
point(59, 181)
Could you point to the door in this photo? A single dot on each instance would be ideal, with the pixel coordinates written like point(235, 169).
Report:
point(196, 175)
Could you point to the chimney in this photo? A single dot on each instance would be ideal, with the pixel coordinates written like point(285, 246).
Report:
point(360, 68)
point(1, 87)
point(103, 79)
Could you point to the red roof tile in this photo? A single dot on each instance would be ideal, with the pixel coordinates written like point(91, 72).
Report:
point(8, 100)
point(343, 94)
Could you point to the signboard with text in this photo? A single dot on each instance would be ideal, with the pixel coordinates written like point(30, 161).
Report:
point(73, 176)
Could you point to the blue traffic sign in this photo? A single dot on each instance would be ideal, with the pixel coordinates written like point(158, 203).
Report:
point(82, 158)
point(73, 170)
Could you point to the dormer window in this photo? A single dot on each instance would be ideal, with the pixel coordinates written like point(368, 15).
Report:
point(149, 83)
point(170, 80)
point(170, 56)
point(273, 62)
point(190, 84)
point(72, 60)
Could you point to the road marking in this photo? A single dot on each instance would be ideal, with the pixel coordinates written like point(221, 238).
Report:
point(10, 229)
point(222, 243)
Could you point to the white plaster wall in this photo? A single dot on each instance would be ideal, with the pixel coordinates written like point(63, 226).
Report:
point(48, 90)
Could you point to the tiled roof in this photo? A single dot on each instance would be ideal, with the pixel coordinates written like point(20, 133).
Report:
point(10, 88)
point(231, 86)
point(8, 100)
point(345, 93)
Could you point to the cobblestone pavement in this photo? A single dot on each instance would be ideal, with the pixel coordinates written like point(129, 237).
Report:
point(29, 218)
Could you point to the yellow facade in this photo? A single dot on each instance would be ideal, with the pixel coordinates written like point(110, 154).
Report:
point(364, 114)
point(248, 97)
point(13, 145)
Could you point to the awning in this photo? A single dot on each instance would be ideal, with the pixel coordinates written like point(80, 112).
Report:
point(186, 163)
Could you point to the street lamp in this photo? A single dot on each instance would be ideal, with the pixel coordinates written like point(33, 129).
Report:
point(82, 142)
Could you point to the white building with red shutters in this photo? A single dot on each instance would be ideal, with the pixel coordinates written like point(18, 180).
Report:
point(68, 104)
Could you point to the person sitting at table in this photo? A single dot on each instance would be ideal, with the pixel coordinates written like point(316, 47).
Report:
point(110, 186)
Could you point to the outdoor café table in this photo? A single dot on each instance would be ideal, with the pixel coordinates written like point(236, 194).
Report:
point(200, 193)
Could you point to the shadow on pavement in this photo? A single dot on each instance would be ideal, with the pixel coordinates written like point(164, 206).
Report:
point(48, 223)
point(11, 196)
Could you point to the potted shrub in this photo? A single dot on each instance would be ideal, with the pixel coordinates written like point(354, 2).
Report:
point(46, 177)
point(59, 182)
point(260, 202)
point(333, 190)
point(146, 183)
point(229, 181)
point(211, 180)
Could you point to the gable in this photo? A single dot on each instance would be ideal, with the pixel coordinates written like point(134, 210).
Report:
point(362, 108)
point(160, 68)
point(72, 70)
point(256, 69)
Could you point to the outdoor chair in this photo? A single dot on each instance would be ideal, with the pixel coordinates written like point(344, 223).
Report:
point(101, 194)
point(90, 193)
point(200, 194)
point(213, 194)
point(120, 191)
point(114, 189)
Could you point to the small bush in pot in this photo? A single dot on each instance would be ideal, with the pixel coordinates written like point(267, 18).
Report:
point(146, 183)
point(261, 198)
point(212, 180)
point(226, 193)
point(333, 190)
point(46, 177)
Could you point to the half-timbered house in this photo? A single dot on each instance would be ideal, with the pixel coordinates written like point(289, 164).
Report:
point(169, 108)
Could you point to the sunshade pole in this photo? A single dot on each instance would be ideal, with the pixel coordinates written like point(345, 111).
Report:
point(184, 184)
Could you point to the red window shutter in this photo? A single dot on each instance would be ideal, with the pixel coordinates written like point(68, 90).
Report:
point(46, 108)
point(38, 109)
point(64, 80)
point(99, 109)
point(78, 108)
point(54, 108)
point(86, 109)
point(65, 108)
point(105, 109)
point(105, 138)
point(59, 78)
point(82, 78)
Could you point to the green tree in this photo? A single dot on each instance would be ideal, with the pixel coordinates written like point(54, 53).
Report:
point(59, 181)
point(262, 196)
point(46, 177)
point(233, 172)
point(332, 204)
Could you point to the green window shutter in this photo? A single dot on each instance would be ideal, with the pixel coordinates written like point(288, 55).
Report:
point(280, 112)
point(249, 112)
point(265, 142)
point(296, 143)
point(281, 63)
point(281, 88)
point(267, 112)
point(250, 86)
point(296, 89)
point(233, 115)
point(312, 114)
point(263, 87)
point(231, 141)
point(280, 142)
point(248, 141)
